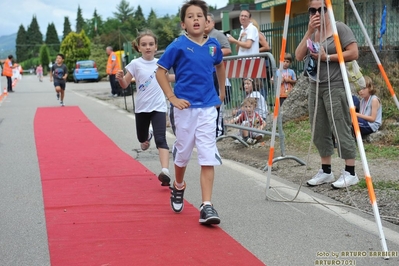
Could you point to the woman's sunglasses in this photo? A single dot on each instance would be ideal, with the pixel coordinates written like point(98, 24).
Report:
point(312, 10)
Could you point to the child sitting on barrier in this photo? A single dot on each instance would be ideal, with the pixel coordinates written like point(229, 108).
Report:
point(250, 118)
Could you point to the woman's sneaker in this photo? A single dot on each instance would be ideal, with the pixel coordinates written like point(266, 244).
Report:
point(208, 215)
point(176, 198)
point(320, 178)
point(345, 180)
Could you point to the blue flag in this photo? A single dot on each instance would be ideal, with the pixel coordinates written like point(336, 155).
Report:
point(383, 28)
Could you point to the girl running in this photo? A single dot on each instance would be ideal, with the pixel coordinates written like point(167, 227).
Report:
point(150, 103)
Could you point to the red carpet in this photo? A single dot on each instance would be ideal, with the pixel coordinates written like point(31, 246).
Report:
point(104, 208)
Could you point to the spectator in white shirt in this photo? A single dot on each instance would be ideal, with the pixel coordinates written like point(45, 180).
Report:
point(248, 42)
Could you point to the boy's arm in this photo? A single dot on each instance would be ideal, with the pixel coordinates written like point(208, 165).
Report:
point(167, 90)
point(221, 75)
point(66, 73)
point(51, 74)
point(236, 120)
point(171, 77)
point(293, 77)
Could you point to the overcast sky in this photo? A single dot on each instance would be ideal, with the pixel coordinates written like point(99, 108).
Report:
point(17, 12)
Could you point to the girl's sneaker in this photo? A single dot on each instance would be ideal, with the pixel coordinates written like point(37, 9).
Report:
point(164, 178)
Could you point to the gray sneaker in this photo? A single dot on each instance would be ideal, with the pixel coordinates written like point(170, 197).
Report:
point(208, 215)
point(320, 178)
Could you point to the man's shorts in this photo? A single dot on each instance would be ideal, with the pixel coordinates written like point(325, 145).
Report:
point(196, 127)
point(59, 84)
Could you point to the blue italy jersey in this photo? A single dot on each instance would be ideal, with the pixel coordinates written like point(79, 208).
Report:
point(193, 65)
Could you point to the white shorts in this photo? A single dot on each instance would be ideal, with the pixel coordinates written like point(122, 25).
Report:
point(196, 127)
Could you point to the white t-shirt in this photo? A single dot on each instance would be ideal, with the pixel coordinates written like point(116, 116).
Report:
point(252, 33)
point(261, 107)
point(150, 96)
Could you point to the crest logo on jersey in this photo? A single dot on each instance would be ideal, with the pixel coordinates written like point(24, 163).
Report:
point(212, 50)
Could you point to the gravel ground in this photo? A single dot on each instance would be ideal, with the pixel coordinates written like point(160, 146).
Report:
point(380, 169)
point(257, 156)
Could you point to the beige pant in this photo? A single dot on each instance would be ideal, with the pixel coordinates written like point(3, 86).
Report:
point(332, 117)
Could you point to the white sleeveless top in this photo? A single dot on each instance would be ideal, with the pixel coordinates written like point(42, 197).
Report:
point(365, 108)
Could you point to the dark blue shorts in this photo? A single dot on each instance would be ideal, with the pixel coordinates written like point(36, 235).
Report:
point(60, 84)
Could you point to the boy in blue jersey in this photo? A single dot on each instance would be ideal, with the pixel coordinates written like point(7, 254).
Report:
point(194, 99)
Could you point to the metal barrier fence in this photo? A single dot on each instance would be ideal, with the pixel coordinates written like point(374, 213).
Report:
point(251, 78)
point(370, 11)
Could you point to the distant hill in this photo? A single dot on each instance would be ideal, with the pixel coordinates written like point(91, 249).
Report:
point(7, 45)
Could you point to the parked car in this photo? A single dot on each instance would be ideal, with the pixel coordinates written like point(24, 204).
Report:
point(85, 70)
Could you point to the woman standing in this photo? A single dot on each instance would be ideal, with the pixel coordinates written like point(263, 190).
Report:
point(333, 116)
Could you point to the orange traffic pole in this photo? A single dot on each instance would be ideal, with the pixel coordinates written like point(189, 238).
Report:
point(356, 126)
point(277, 101)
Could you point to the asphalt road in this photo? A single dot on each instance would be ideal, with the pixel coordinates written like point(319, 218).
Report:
point(278, 233)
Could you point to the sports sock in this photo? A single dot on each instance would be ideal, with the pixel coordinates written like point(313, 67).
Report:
point(165, 171)
point(179, 185)
point(350, 169)
point(326, 168)
point(206, 203)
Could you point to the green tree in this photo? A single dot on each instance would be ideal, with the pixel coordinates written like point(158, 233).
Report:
point(44, 58)
point(21, 47)
point(124, 11)
point(139, 18)
point(67, 28)
point(99, 56)
point(52, 41)
point(80, 22)
point(94, 26)
point(34, 38)
point(167, 29)
point(75, 46)
point(152, 20)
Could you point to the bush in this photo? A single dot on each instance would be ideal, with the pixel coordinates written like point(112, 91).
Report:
point(99, 55)
point(75, 47)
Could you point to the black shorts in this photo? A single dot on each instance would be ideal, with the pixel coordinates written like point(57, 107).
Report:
point(60, 84)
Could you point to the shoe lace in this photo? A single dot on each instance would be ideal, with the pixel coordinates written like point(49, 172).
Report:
point(208, 209)
point(342, 177)
point(319, 173)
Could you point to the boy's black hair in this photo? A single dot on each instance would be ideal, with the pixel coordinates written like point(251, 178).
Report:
point(62, 56)
point(10, 57)
point(201, 4)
